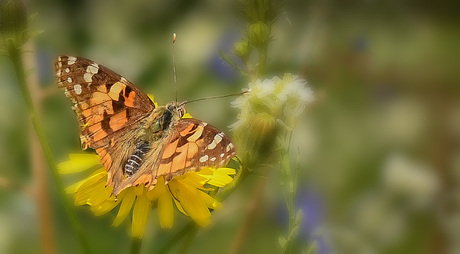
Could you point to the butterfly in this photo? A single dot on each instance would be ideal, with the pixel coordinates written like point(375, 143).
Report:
point(136, 140)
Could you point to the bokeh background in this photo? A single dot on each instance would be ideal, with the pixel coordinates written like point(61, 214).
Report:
point(380, 168)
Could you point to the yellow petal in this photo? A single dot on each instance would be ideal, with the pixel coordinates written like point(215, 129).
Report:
point(158, 190)
point(74, 187)
point(193, 179)
point(152, 98)
point(87, 189)
point(125, 206)
point(205, 172)
point(139, 189)
point(108, 204)
point(191, 202)
point(220, 180)
point(100, 194)
point(179, 207)
point(227, 171)
point(104, 207)
point(78, 163)
point(210, 201)
point(221, 177)
point(165, 211)
point(187, 115)
point(141, 212)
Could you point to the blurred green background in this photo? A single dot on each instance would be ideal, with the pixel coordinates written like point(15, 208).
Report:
point(380, 166)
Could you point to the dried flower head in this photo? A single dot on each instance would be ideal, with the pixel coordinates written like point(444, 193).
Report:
point(269, 101)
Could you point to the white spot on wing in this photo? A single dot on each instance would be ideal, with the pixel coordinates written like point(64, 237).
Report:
point(69, 79)
point(77, 89)
point(216, 140)
point(230, 146)
point(204, 158)
point(94, 68)
point(90, 71)
point(213, 159)
point(71, 60)
point(222, 155)
point(67, 70)
point(88, 77)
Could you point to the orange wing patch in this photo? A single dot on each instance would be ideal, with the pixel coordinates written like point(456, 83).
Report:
point(118, 120)
point(193, 145)
point(170, 149)
point(187, 130)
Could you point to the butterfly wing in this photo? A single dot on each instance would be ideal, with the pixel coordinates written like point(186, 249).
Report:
point(190, 145)
point(194, 144)
point(107, 105)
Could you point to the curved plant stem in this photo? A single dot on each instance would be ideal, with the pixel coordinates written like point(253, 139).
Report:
point(245, 229)
point(39, 168)
point(229, 189)
point(221, 196)
point(188, 240)
point(177, 237)
point(136, 244)
point(291, 193)
point(16, 57)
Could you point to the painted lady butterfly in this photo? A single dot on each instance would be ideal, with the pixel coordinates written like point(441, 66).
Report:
point(136, 141)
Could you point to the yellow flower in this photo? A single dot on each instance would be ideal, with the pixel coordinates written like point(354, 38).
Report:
point(188, 191)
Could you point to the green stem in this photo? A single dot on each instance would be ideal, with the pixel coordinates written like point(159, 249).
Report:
point(291, 186)
point(177, 237)
point(16, 57)
point(188, 241)
point(136, 244)
point(230, 188)
point(262, 64)
point(221, 196)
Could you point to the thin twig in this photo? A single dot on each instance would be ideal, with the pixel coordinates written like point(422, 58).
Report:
point(188, 240)
point(39, 170)
point(248, 222)
point(221, 196)
point(291, 192)
point(16, 57)
point(177, 237)
point(136, 244)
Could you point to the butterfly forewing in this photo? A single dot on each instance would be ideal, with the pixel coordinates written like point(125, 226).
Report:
point(105, 102)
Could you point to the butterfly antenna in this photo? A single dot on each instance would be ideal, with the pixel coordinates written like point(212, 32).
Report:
point(218, 96)
point(174, 63)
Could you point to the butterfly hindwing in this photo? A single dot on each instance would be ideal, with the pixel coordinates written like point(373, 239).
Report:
point(194, 144)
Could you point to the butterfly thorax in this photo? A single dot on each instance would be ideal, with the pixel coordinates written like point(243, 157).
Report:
point(162, 118)
point(154, 128)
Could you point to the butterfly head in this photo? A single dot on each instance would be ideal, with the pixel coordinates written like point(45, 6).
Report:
point(176, 108)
